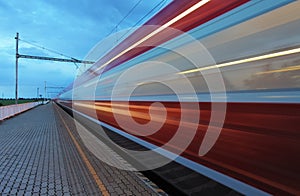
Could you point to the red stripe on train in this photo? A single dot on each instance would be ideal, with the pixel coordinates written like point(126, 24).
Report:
point(259, 143)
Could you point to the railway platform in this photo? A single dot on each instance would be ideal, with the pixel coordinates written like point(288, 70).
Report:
point(41, 154)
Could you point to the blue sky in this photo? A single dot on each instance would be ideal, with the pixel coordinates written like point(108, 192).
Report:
point(69, 27)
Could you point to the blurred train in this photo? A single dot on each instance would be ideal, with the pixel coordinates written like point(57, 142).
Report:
point(232, 66)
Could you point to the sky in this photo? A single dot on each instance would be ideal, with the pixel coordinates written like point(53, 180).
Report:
point(71, 28)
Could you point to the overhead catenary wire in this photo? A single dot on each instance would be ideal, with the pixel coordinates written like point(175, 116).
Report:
point(44, 48)
point(161, 4)
point(69, 58)
point(157, 6)
point(129, 12)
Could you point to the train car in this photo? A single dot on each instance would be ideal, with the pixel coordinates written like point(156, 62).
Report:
point(216, 83)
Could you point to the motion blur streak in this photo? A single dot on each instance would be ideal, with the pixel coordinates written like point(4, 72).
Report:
point(245, 147)
point(291, 68)
point(255, 46)
point(180, 16)
point(273, 55)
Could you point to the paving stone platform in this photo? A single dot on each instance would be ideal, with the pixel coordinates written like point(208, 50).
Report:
point(39, 157)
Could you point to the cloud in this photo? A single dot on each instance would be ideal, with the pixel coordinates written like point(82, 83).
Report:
point(69, 27)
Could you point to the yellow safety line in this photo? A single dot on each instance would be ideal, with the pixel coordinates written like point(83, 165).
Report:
point(86, 161)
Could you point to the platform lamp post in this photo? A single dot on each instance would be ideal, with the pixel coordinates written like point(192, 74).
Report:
point(17, 57)
point(37, 92)
point(45, 92)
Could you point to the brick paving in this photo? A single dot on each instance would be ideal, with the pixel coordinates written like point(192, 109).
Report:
point(38, 157)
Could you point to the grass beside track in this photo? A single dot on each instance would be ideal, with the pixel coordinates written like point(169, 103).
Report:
point(4, 102)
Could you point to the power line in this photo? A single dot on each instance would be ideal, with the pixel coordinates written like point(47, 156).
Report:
point(161, 4)
point(44, 48)
point(70, 59)
point(130, 11)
